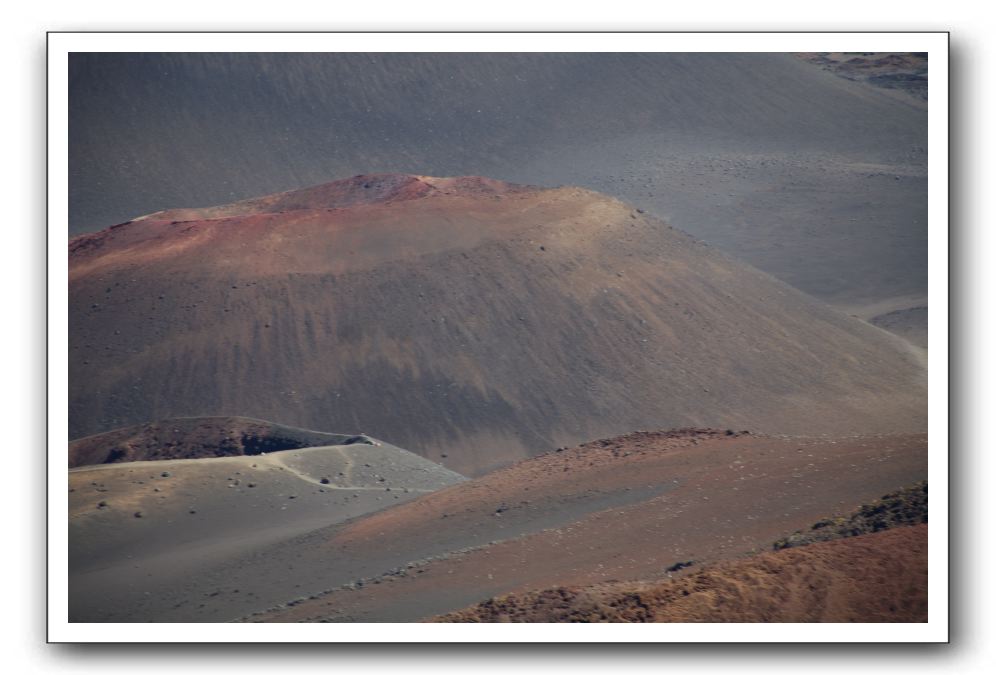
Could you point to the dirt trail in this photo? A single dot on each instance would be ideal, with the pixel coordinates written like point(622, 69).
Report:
point(348, 470)
point(276, 461)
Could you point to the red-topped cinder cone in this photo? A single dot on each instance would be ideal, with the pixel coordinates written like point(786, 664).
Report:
point(470, 320)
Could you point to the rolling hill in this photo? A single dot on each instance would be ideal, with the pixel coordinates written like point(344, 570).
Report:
point(614, 511)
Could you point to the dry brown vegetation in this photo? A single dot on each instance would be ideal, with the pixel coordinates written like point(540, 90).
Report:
point(907, 506)
point(871, 578)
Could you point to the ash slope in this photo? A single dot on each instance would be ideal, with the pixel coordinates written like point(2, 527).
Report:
point(817, 180)
point(463, 317)
point(196, 437)
point(148, 538)
point(154, 130)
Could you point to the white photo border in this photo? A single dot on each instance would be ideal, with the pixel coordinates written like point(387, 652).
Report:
point(61, 44)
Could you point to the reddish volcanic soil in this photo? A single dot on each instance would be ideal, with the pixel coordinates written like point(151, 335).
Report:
point(614, 510)
point(878, 577)
point(472, 321)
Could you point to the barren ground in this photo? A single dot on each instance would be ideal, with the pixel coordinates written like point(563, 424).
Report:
point(622, 509)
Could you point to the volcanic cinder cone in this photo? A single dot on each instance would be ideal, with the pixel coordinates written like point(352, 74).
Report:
point(816, 179)
point(470, 320)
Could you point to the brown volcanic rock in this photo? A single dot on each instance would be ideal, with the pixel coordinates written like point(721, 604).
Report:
point(196, 437)
point(907, 506)
point(878, 577)
point(461, 317)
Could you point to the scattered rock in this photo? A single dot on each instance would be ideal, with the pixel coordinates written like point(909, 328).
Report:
point(680, 566)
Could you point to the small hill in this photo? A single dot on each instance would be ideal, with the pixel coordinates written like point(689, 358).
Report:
point(143, 534)
point(196, 437)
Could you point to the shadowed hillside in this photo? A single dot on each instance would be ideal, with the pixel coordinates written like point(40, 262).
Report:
point(194, 437)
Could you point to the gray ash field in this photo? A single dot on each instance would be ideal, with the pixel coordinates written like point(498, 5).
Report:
point(143, 534)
